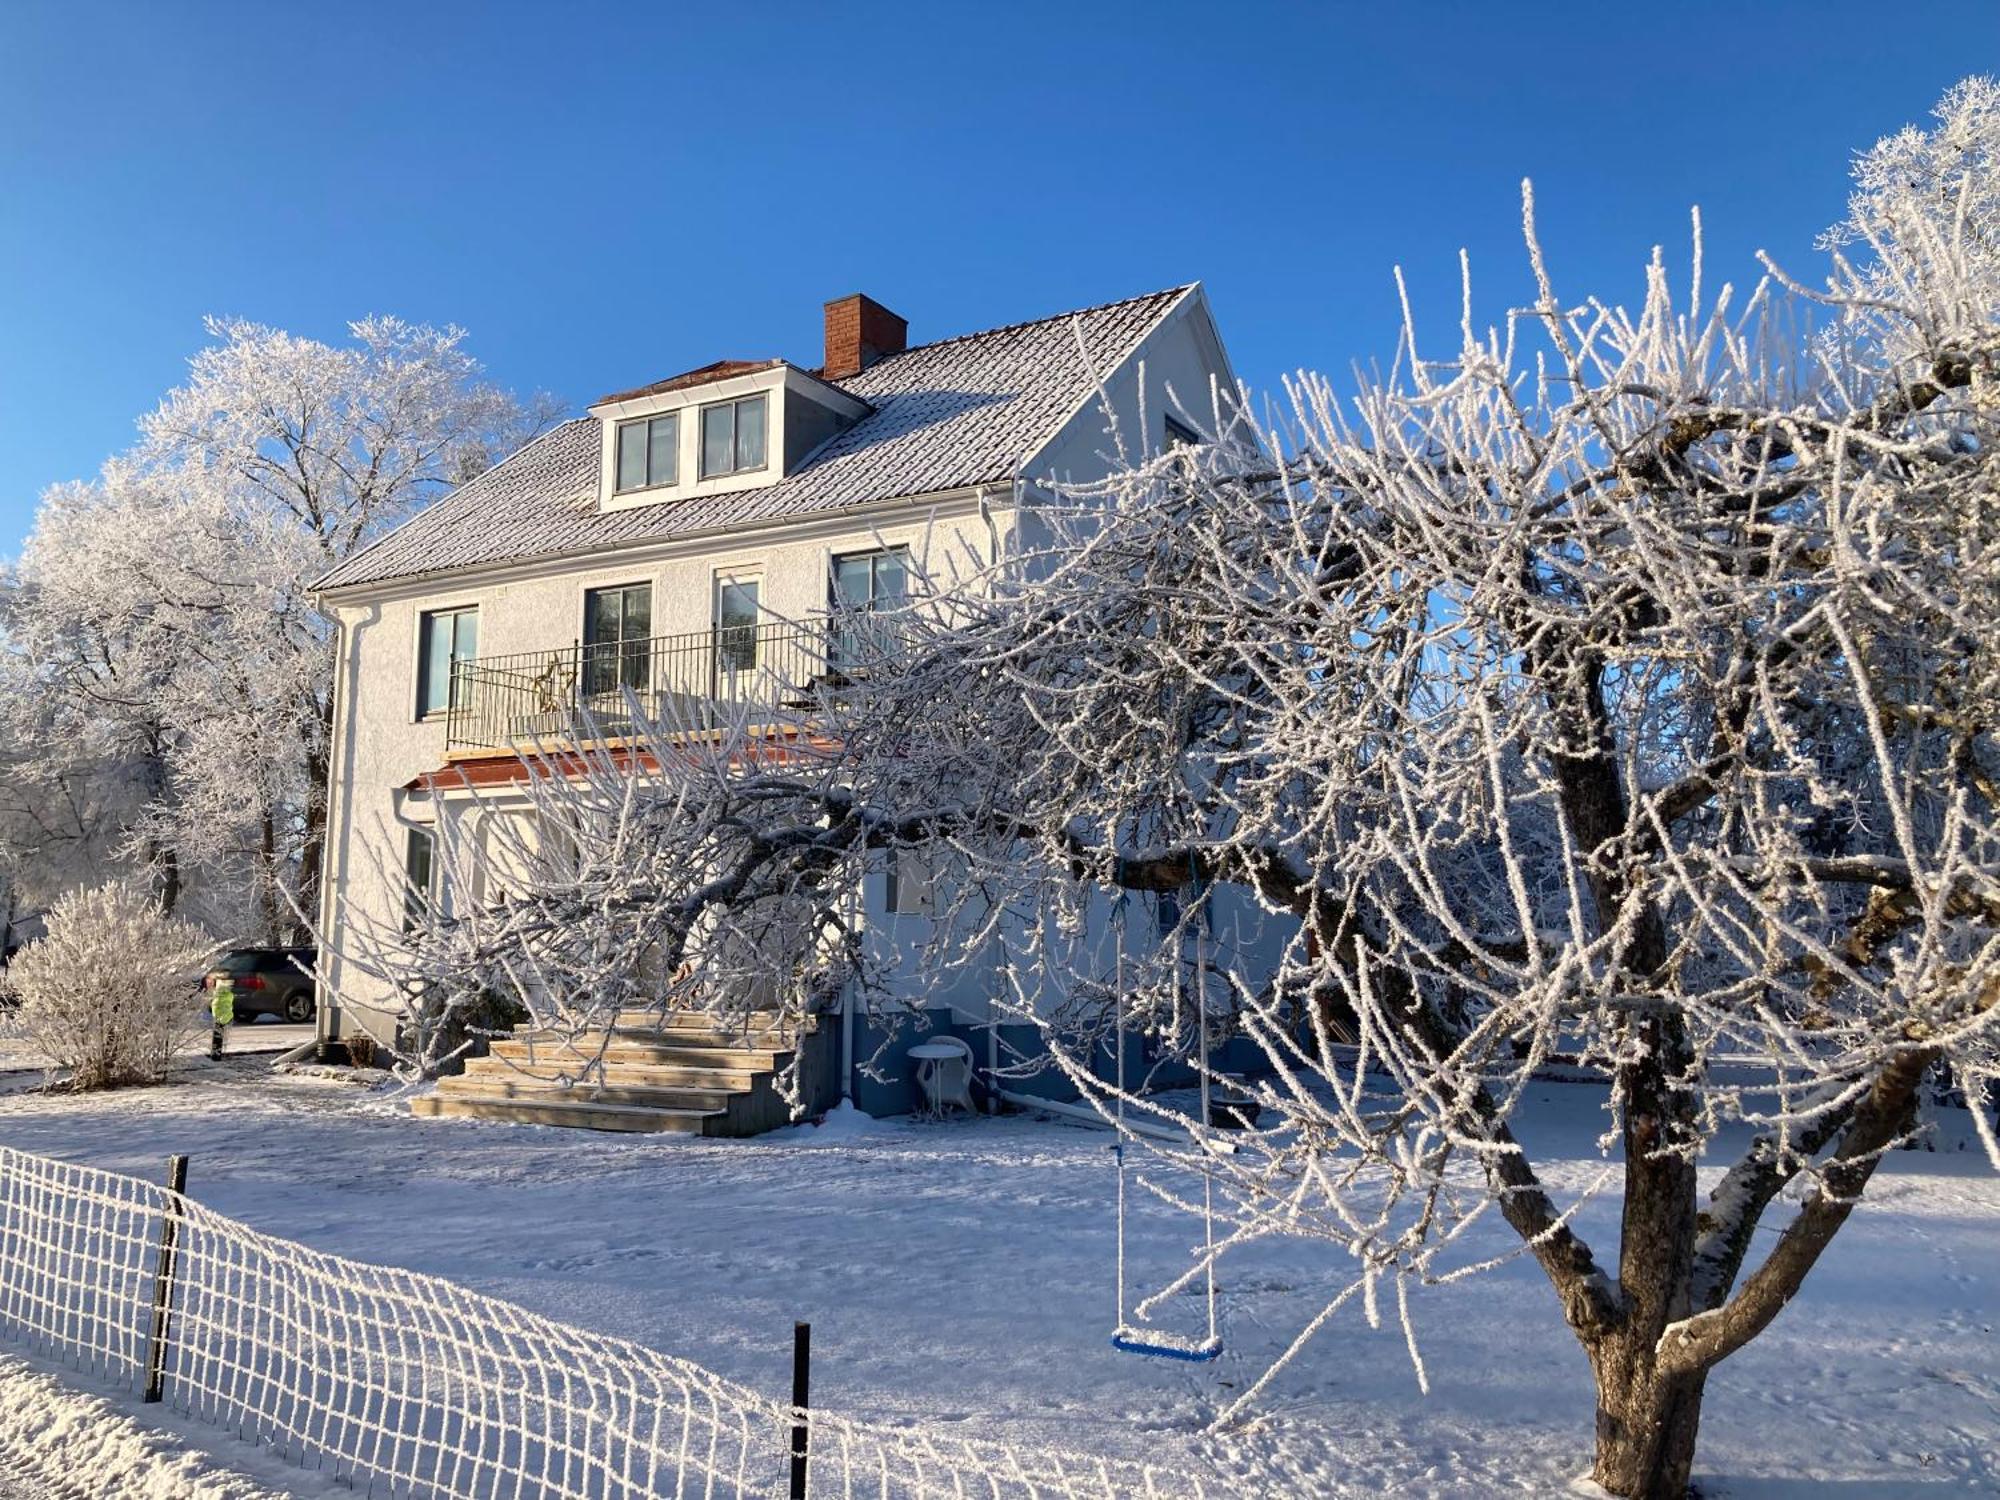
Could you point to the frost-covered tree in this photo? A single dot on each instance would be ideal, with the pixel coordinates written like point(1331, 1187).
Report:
point(106, 994)
point(91, 662)
point(165, 606)
point(1621, 686)
point(65, 801)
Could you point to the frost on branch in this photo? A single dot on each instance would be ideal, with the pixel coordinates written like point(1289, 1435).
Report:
point(1620, 686)
point(108, 994)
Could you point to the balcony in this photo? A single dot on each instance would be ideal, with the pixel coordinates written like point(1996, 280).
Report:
point(506, 704)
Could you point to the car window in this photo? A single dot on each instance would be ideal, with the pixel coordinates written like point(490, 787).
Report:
point(239, 963)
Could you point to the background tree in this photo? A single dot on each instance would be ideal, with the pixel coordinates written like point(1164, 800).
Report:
point(165, 607)
point(1622, 686)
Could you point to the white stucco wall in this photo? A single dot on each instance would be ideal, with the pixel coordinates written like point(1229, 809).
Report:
point(382, 745)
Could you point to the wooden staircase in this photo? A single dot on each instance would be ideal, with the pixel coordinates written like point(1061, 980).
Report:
point(681, 1074)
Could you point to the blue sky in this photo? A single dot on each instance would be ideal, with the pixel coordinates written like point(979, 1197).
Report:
point(605, 196)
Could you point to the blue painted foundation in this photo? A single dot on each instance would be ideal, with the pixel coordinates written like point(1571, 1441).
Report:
point(896, 1091)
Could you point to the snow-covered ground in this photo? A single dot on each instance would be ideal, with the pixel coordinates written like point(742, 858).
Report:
point(61, 1438)
point(960, 1274)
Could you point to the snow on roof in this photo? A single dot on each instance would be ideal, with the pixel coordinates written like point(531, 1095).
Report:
point(959, 412)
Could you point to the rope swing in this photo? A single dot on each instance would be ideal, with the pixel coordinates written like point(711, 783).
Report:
point(1127, 1337)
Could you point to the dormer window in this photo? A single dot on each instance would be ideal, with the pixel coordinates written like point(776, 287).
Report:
point(649, 452)
point(730, 426)
point(732, 436)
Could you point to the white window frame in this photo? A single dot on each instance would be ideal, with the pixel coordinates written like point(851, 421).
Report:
point(734, 577)
point(844, 631)
point(702, 470)
point(418, 905)
point(909, 887)
point(426, 621)
point(589, 664)
point(649, 480)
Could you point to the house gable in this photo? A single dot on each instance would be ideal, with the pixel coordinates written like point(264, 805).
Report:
point(1177, 375)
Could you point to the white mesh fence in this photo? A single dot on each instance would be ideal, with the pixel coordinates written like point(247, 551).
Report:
point(411, 1385)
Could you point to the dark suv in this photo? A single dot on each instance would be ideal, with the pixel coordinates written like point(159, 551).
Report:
point(269, 981)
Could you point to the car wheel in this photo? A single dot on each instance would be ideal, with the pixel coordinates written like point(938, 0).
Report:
point(299, 1007)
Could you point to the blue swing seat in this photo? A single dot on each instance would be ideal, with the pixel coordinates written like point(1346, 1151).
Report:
point(1160, 1345)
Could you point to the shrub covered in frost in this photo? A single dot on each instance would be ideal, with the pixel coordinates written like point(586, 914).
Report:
point(106, 995)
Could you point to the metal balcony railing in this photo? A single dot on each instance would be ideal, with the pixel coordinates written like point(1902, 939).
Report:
point(690, 681)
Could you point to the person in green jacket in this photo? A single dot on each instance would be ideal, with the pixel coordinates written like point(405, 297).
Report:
point(221, 1010)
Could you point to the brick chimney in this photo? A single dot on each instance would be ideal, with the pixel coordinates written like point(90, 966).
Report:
point(859, 331)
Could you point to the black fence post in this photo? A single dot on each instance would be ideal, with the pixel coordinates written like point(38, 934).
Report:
point(801, 1399)
point(163, 1280)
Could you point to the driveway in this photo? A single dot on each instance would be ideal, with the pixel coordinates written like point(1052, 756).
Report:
point(260, 1036)
point(248, 1038)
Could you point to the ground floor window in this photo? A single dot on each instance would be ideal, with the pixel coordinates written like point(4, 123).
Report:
point(911, 890)
point(419, 877)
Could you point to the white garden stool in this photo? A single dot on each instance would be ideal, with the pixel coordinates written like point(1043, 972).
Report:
point(944, 1072)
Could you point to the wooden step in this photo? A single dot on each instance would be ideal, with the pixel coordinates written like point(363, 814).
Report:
point(679, 1029)
point(651, 1023)
point(704, 1101)
point(564, 1112)
point(761, 1027)
point(723, 1075)
point(681, 1073)
point(623, 1051)
point(647, 1020)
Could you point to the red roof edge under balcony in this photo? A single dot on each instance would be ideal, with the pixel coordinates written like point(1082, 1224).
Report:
point(507, 768)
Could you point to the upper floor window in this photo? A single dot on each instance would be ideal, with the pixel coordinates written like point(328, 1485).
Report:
point(447, 641)
point(1180, 435)
point(617, 631)
point(732, 436)
point(735, 623)
point(865, 583)
point(871, 580)
point(649, 452)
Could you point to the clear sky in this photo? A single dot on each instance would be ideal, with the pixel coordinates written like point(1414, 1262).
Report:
point(605, 195)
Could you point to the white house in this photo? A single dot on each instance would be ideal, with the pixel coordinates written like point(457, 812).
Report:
point(659, 540)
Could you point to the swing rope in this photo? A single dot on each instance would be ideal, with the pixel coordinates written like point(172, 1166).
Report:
point(1126, 1337)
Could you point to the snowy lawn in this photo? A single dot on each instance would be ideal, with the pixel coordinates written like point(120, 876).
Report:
point(266, 1034)
point(960, 1274)
point(62, 1437)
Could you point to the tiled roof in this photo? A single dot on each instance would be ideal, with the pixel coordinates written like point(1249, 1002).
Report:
point(960, 412)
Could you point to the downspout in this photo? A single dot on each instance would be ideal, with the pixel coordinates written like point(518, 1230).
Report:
point(847, 1042)
point(992, 1057)
point(857, 903)
point(333, 859)
point(993, 1095)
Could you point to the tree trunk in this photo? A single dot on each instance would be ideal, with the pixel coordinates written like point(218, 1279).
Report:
point(1647, 1422)
point(269, 904)
point(168, 879)
point(312, 855)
